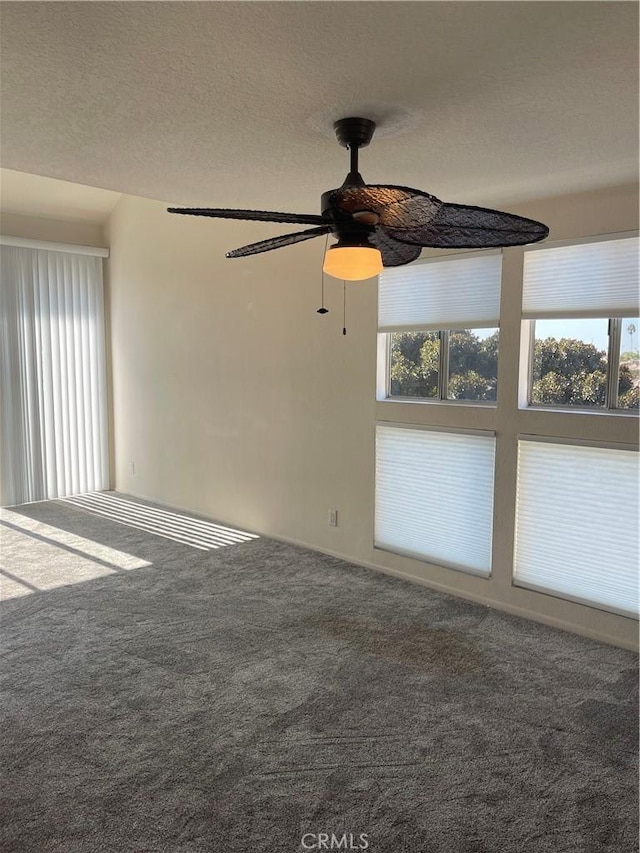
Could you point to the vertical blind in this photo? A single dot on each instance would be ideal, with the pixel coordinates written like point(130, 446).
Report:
point(452, 292)
point(577, 523)
point(594, 279)
point(434, 496)
point(53, 418)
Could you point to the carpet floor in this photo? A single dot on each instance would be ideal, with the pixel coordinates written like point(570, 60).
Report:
point(160, 698)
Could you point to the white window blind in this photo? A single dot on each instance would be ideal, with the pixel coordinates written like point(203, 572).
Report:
point(454, 292)
point(434, 496)
point(53, 417)
point(577, 523)
point(594, 279)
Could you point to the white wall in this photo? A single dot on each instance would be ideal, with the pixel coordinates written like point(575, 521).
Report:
point(235, 399)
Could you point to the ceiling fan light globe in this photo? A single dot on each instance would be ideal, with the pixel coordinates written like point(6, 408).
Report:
point(352, 263)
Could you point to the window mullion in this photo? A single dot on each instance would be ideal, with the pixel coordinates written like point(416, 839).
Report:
point(443, 378)
point(387, 367)
point(613, 362)
point(532, 357)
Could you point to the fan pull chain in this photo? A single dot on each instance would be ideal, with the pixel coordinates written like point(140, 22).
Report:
point(344, 307)
point(322, 309)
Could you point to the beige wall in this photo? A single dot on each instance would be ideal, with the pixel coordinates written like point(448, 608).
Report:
point(232, 397)
point(51, 230)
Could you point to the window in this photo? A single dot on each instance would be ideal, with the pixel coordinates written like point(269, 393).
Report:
point(565, 517)
point(434, 495)
point(577, 522)
point(580, 304)
point(414, 364)
point(460, 364)
point(438, 324)
point(53, 424)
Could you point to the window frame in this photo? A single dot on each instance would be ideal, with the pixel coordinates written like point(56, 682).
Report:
point(610, 407)
point(527, 340)
point(384, 382)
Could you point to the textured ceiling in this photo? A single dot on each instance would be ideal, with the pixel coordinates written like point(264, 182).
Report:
point(232, 103)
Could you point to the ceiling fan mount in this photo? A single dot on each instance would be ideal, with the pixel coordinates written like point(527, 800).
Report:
point(394, 222)
point(354, 132)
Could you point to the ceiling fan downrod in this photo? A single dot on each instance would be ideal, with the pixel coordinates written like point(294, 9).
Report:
point(354, 133)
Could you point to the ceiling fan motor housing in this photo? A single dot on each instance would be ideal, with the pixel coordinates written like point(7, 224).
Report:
point(350, 229)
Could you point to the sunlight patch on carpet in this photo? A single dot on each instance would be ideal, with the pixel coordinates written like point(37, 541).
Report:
point(40, 567)
point(195, 532)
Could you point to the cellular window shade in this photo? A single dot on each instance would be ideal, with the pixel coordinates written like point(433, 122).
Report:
point(434, 496)
point(455, 292)
point(577, 523)
point(53, 413)
point(595, 279)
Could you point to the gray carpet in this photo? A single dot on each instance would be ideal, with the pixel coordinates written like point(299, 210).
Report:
point(238, 699)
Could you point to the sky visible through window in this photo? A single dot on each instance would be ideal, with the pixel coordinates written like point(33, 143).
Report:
point(591, 331)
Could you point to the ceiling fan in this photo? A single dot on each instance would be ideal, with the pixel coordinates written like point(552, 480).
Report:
point(382, 225)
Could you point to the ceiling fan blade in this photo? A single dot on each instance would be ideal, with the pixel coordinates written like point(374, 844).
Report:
point(258, 215)
point(460, 226)
point(394, 253)
point(396, 207)
point(278, 242)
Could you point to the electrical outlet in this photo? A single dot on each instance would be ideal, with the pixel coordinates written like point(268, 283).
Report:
point(333, 518)
point(132, 467)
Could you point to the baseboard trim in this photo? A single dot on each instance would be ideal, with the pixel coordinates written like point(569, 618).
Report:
point(504, 607)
